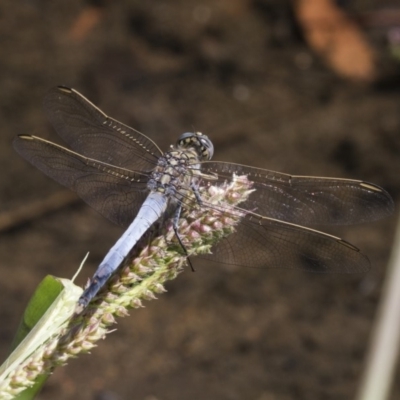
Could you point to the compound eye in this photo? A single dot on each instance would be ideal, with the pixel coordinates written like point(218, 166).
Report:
point(208, 148)
point(185, 137)
point(200, 142)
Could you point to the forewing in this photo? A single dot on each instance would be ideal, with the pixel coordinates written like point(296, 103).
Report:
point(114, 192)
point(307, 200)
point(90, 132)
point(265, 243)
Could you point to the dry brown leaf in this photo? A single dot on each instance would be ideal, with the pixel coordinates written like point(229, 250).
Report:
point(336, 38)
point(85, 22)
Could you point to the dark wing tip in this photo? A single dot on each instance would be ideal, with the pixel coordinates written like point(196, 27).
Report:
point(386, 200)
point(363, 263)
point(24, 137)
point(18, 142)
point(65, 89)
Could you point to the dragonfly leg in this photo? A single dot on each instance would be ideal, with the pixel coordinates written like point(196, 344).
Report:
point(175, 227)
point(196, 193)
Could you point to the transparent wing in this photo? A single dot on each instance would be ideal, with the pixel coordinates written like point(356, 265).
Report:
point(90, 132)
point(307, 200)
point(265, 243)
point(116, 193)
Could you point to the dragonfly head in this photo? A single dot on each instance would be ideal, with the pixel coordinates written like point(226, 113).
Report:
point(201, 143)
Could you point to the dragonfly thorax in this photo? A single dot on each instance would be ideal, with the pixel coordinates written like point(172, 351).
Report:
point(199, 142)
point(175, 172)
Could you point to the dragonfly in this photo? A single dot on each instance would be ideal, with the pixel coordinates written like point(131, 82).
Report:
point(125, 176)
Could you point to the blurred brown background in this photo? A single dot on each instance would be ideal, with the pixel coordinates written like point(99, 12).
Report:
point(276, 84)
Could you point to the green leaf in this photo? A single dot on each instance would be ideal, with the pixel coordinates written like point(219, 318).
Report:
point(46, 293)
point(50, 307)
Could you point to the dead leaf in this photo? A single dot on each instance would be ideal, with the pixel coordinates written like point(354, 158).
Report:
point(336, 38)
point(85, 22)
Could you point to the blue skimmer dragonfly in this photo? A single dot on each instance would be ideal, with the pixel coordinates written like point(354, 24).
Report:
point(124, 175)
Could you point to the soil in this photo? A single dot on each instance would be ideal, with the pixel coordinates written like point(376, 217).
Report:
point(241, 72)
